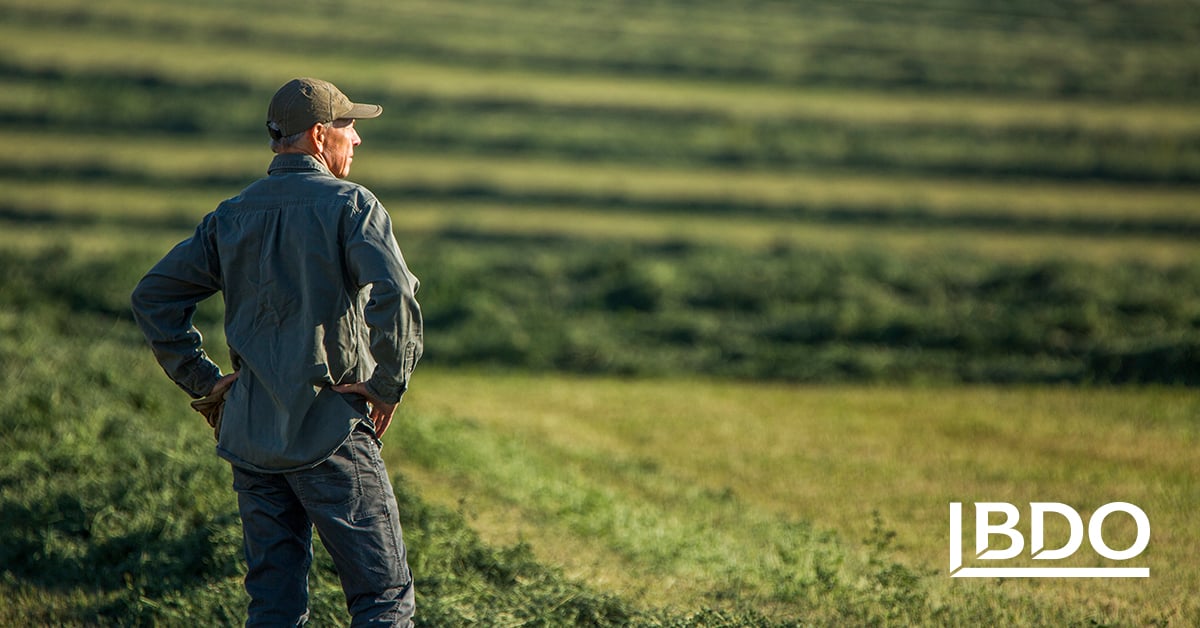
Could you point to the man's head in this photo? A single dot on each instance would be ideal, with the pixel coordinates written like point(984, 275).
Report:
point(312, 116)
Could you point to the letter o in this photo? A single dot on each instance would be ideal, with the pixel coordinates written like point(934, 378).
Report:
point(1096, 531)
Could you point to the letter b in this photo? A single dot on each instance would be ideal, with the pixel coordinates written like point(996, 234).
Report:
point(984, 530)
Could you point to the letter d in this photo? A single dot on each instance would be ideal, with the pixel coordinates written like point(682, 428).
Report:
point(1037, 533)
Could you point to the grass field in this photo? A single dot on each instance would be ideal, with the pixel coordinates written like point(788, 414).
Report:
point(679, 490)
point(726, 302)
point(762, 502)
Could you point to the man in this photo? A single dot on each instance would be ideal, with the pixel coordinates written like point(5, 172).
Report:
point(324, 331)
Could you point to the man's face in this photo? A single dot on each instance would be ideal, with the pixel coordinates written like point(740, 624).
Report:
point(338, 149)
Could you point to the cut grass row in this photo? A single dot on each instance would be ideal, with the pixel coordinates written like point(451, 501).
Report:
point(225, 166)
point(784, 312)
point(90, 224)
point(124, 104)
point(419, 207)
point(631, 135)
point(957, 47)
point(81, 51)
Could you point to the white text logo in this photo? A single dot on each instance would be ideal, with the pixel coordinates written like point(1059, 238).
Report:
point(1038, 511)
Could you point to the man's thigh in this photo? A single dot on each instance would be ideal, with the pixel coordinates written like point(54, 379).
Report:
point(349, 498)
point(277, 542)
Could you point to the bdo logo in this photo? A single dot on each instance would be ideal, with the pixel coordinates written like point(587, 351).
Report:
point(985, 531)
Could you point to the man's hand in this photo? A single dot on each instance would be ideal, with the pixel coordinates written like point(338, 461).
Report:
point(224, 383)
point(212, 406)
point(381, 411)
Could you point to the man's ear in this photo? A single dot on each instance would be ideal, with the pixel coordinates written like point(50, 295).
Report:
point(316, 136)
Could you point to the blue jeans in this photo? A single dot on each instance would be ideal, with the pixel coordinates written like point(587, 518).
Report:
point(351, 502)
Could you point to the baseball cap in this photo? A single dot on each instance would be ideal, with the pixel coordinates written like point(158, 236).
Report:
point(303, 102)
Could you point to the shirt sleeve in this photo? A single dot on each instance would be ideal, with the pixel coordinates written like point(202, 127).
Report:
point(392, 313)
point(164, 303)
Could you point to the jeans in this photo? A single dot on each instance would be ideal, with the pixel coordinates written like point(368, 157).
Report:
point(351, 502)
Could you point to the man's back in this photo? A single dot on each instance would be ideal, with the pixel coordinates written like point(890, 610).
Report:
point(291, 255)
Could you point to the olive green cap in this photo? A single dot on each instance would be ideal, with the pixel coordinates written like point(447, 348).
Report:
point(303, 102)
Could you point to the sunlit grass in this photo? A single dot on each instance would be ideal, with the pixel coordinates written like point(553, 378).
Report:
point(200, 60)
point(102, 206)
point(383, 166)
point(762, 233)
point(685, 492)
point(826, 455)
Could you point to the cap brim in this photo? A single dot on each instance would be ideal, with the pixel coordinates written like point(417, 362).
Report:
point(361, 110)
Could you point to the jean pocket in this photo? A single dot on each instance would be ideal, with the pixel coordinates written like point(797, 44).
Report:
point(350, 485)
point(319, 490)
point(373, 484)
point(333, 483)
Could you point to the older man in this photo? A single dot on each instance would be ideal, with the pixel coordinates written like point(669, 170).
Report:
point(324, 332)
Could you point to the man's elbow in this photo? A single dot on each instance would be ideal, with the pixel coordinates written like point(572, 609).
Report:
point(137, 299)
point(145, 301)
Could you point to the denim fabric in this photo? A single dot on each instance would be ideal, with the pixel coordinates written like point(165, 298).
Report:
point(350, 500)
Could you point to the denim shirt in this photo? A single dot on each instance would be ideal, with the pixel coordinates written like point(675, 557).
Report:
point(316, 293)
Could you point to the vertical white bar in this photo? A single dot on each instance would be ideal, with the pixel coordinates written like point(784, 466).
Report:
point(955, 536)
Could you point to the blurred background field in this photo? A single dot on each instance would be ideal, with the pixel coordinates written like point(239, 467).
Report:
point(891, 237)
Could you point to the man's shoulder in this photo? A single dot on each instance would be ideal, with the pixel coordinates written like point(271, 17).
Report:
point(357, 196)
point(314, 188)
point(327, 184)
point(352, 188)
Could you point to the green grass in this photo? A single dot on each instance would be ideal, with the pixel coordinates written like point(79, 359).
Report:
point(1115, 50)
point(674, 307)
point(698, 486)
point(161, 161)
point(577, 129)
point(652, 499)
point(116, 511)
point(910, 195)
point(166, 183)
point(709, 494)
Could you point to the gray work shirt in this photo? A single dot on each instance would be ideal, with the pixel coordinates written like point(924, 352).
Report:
point(316, 293)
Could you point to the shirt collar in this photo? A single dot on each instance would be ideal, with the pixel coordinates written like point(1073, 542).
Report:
point(296, 162)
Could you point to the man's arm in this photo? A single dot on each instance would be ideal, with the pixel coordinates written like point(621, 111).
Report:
point(392, 314)
point(381, 411)
point(164, 303)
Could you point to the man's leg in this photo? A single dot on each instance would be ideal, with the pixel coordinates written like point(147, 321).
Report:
point(277, 539)
point(350, 499)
